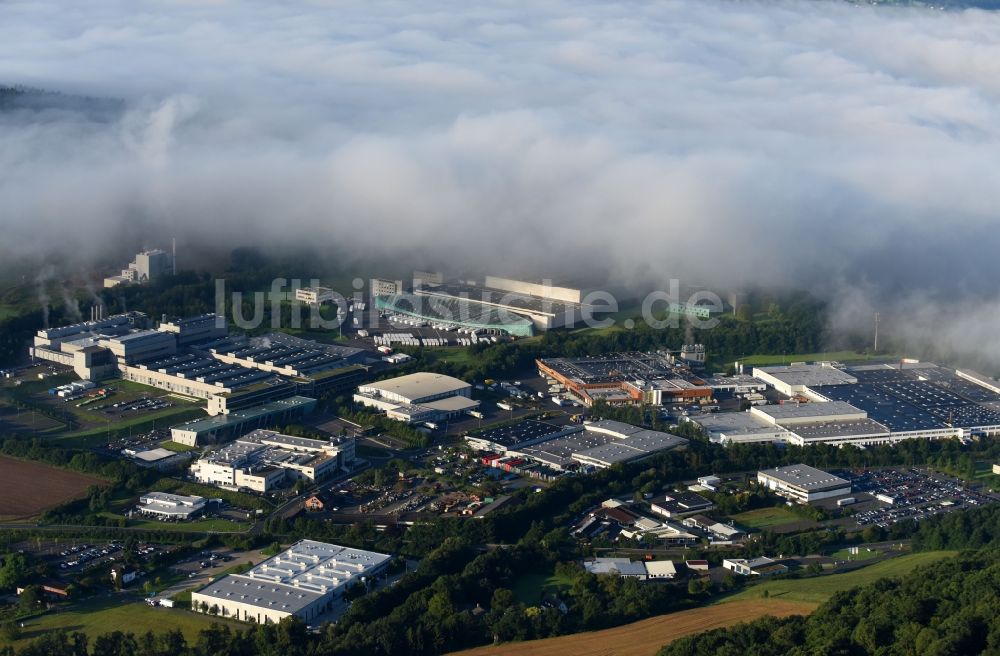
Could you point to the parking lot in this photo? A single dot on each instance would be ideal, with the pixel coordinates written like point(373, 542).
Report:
point(898, 495)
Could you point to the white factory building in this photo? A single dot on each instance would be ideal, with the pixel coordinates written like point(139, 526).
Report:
point(265, 459)
point(171, 506)
point(195, 357)
point(418, 397)
point(147, 265)
point(803, 484)
point(796, 379)
point(303, 581)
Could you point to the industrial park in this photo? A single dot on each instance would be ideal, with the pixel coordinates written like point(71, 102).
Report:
point(313, 457)
point(457, 329)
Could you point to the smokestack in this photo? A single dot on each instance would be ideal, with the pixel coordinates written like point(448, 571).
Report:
point(174, 257)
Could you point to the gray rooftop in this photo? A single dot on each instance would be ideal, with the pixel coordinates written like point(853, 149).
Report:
point(788, 411)
point(806, 477)
point(297, 577)
point(809, 375)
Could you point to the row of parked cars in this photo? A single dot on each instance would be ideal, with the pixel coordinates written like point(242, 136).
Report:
point(84, 553)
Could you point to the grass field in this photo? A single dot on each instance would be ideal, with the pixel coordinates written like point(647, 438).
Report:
point(177, 447)
point(819, 589)
point(528, 588)
point(766, 518)
point(839, 356)
point(109, 614)
point(845, 554)
point(644, 638)
point(7, 311)
point(28, 488)
point(985, 475)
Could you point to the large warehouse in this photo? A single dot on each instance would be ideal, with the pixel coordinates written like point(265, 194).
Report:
point(458, 312)
point(626, 379)
point(303, 581)
point(418, 397)
point(879, 403)
point(803, 484)
point(598, 444)
point(798, 378)
point(499, 304)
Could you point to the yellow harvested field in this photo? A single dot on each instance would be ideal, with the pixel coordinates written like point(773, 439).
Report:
point(644, 638)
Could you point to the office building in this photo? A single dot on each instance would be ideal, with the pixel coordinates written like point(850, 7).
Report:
point(315, 295)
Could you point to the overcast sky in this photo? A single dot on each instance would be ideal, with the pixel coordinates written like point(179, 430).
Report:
point(742, 142)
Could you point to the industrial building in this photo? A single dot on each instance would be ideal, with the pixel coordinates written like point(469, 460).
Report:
point(626, 379)
point(739, 427)
point(878, 404)
point(383, 287)
point(147, 265)
point(679, 504)
point(78, 345)
point(419, 397)
point(797, 379)
point(220, 428)
point(597, 444)
point(791, 414)
point(498, 304)
point(195, 357)
point(171, 506)
point(803, 484)
point(158, 458)
point(264, 459)
point(513, 437)
point(462, 313)
point(315, 295)
point(623, 567)
point(760, 566)
point(303, 581)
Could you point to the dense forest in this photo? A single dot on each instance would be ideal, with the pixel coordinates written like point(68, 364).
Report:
point(947, 609)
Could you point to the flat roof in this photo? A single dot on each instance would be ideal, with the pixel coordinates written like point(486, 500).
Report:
point(620, 566)
point(661, 568)
point(527, 431)
point(808, 375)
point(293, 579)
point(249, 414)
point(167, 497)
point(451, 404)
point(834, 429)
point(516, 301)
point(457, 311)
point(627, 366)
point(152, 455)
point(787, 411)
point(741, 423)
point(884, 407)
point(418, 385)
point(806, 478)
